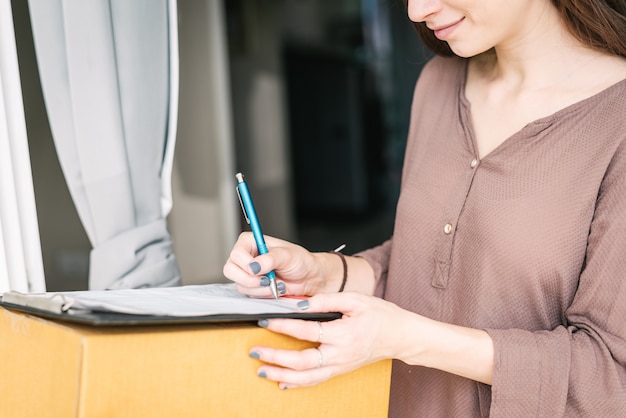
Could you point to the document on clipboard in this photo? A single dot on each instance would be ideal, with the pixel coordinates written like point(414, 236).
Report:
point(219, 302)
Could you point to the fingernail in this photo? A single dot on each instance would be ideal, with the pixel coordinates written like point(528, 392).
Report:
point(265, 281)
point(280, 286)
point(303, 305)
point(283, 387)
point(255, 267)
point(262, 374)
point(255, 355)
point(263, 323)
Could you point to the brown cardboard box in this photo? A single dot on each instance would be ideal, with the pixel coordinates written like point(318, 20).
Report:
point(53, 369)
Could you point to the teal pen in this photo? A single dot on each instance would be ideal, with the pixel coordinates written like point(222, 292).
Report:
point(245, 199)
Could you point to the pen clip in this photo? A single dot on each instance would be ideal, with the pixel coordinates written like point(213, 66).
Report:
point(243, 208)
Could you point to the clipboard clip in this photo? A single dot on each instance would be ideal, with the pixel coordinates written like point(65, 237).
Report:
point(243, 208)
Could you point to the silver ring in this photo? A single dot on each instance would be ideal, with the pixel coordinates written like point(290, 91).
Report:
point(321, 357)
point(321, 333)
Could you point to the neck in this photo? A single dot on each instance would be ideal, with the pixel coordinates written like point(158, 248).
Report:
point(544, 53)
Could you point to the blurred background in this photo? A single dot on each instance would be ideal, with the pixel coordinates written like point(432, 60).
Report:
point(310, 99)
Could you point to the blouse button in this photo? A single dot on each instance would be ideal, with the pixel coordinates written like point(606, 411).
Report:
point(447, 228)
point(474, 163)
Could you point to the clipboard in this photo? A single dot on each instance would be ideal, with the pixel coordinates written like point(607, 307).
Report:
point(182, 305)
point(108, 319)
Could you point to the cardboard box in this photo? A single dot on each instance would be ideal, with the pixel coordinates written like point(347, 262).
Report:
point(54, 369)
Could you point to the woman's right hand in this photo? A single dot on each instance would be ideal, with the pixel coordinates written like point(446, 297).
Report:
point(299, 272)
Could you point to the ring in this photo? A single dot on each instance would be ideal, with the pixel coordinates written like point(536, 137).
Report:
point(321, 333)
point(321, 357)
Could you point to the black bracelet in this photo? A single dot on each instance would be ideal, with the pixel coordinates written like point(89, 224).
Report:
point(345, 269)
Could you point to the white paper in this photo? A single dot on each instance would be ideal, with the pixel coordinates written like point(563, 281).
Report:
point(191, 300)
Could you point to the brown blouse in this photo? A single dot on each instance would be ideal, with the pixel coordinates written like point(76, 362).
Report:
point(528, 243)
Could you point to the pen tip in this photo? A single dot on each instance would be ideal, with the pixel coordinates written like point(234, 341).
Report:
point(239, 177)
point(274, 289)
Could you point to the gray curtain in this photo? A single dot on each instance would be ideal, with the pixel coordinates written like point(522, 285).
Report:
point(106, 74)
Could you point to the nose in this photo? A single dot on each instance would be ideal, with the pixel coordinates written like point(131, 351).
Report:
point(419, 10)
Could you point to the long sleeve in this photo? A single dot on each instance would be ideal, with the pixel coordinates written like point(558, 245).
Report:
point(578, 369)
point(378, 257)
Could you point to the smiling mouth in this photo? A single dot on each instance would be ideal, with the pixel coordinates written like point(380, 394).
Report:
point(442, 32)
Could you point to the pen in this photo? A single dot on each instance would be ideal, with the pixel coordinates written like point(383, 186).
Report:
point(250, 214)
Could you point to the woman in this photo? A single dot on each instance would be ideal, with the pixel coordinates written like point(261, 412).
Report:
point(503, 289)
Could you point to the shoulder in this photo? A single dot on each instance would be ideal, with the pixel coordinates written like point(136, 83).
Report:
point(607, 100)
point(442, 69)
point(440, 77)
point(439, 64)
point(606, 110)
point(439, 82)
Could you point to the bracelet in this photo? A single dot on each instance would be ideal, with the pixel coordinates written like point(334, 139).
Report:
point(345, 269)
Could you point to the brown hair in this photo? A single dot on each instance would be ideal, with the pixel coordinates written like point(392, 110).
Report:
point(599, 24)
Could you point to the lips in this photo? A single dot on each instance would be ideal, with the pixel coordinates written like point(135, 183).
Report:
point(442, 32)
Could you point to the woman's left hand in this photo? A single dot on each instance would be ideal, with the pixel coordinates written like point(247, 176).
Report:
point(370, 330)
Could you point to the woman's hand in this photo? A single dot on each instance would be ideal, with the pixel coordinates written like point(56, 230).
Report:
point(371, 329)
point(298, 271)
point(362, 336)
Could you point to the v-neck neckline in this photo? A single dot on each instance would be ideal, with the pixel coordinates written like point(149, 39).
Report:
point(530, 129)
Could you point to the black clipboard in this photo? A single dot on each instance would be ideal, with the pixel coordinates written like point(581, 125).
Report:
point(109, 319)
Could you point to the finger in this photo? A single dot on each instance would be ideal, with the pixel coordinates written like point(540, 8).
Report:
point(245, 269)
point(277, 258)
point(240, 276)
point(245, 254)
point(295, 368)
point(244, 249)
point(256, 285)
point(289, 379)
point(237, 268)
point(333, 302)
point(309, 358)
point(262, 288)
point(300, 329)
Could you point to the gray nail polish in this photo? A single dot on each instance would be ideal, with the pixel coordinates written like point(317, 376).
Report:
point(264, 281)
point(281, 287)
point(303, 305)
point(255, 355)
point(262, 374)
point(263, 323)
point(255, 267)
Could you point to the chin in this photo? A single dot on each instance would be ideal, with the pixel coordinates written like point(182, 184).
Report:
point(467, 51)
